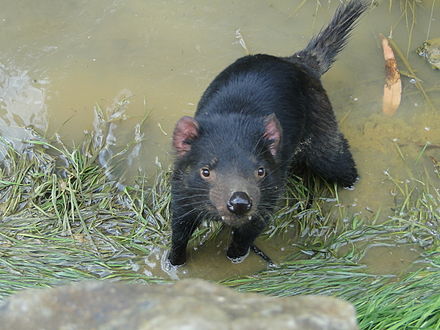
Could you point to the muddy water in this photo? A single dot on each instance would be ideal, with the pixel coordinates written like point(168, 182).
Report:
point(60, 60)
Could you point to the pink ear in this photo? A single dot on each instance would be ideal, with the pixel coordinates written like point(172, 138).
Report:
point(272, 132)
point(186, 130)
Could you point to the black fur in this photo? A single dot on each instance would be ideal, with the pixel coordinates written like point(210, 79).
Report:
point(260, 118)
point(321, 51)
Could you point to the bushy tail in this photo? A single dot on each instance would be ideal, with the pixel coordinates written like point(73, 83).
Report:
point(321, 51)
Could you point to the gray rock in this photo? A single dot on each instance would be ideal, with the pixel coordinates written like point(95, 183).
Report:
point(187, 304)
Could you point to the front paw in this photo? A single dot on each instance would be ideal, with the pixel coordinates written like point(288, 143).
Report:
point(177, 258)
point(237, 255)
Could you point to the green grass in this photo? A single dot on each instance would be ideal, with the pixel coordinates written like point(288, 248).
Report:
point(381, 301)
point(64, 218)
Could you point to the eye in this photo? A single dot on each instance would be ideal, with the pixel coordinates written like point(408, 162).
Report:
point(261, 172)
point(204, 172)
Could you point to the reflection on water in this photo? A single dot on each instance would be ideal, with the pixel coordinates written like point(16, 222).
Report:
point(61, 61)
point(399, 259)
point(22, 104)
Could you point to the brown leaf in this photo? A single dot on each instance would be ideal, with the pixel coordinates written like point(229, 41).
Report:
point(392, 89)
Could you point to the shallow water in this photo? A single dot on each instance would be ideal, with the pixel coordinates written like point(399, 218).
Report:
point(60, 60)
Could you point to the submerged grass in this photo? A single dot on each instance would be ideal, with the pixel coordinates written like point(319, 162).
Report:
point(64, 218)
point(381, 301)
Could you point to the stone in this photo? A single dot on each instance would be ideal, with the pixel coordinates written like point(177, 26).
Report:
point(187, 304)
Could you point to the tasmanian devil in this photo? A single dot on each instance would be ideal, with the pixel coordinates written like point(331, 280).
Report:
point(259, 120)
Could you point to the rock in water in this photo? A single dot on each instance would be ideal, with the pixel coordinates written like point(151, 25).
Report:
point(187, 304)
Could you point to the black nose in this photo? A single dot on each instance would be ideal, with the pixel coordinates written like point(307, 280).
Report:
point(239, 203)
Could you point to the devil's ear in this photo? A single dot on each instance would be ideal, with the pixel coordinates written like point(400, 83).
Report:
point(186, 130)
point(273, 133)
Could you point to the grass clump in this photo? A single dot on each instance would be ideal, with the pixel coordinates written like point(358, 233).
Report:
point(63, 218)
